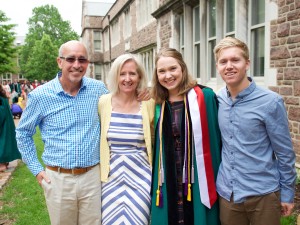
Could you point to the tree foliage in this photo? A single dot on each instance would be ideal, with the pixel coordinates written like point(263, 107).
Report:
point(43, 60)
point(7, 48)
point(46, 23)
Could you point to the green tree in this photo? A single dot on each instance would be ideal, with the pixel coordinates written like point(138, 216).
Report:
point(45, 20)
point(7, 48)
point(43, 61)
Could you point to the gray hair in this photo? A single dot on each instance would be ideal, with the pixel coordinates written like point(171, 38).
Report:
point(66, 44)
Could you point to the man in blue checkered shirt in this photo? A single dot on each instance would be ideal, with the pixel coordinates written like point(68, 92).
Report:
point(65, 109)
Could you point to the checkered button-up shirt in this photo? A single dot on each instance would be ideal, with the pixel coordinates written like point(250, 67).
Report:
point(69, 125)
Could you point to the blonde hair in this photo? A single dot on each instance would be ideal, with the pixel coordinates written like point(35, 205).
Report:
point(159, 93)
point(114, 73)
point(229, 42)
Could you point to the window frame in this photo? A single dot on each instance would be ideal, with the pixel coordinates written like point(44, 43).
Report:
point(211, 42)
point(196, 42)
point(97, 40)
point(254, 42)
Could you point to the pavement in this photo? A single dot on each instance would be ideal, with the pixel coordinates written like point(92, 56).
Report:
point(5, 175)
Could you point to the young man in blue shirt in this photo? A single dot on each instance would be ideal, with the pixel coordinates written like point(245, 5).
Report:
point(257, 174)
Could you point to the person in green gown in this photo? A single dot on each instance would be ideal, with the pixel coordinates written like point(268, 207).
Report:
point(187, 146)
point(8, 145)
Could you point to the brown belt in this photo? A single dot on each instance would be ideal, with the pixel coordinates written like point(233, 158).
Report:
point(76, 171)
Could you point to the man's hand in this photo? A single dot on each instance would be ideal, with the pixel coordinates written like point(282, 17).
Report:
point(42, 176)
point(144, 95)
point(286, 208)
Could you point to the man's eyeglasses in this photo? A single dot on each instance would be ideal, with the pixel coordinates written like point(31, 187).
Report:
point(81, 60)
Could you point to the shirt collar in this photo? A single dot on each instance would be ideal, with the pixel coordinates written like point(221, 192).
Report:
point(246, 91)
point(58, 86)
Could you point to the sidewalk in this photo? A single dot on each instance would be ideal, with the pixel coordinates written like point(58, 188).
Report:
point(4, 176)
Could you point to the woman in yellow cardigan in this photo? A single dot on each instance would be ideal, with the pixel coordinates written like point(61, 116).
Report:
point(126, 145)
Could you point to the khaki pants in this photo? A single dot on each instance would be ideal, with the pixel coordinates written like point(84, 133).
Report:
point(256, 210)
point(74, 199)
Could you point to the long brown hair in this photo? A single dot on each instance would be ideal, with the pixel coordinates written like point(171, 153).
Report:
point(159, 93)
point(2, 92)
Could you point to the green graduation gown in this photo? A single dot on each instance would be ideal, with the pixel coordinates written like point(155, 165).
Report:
point(202, 215)
point(8, 145)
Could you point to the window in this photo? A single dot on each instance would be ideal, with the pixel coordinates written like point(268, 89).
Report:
point(181, 34)
point(144, 9)
point(127, 23)
point(97, 41)
point(98, 72)
point(196, 40)
point(211, 14)
point(21, 76)
point(229, 17)
point(147, 59)
point(209, 22)
point(6, 77)
point(106, 40)
point(115, 32)
point(106, 69)
point(257, 37)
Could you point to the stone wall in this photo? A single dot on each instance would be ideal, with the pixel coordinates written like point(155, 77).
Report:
point(139, 38)
point(285, 57)
point(165, 32)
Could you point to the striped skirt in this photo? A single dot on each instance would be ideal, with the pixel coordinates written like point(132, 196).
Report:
point(126, 195)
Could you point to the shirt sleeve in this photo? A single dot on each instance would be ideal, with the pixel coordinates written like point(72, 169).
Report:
point(31, 117)
point(278, 130)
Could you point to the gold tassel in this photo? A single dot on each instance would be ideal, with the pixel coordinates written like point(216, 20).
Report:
point(157, 197)
point(189, 196)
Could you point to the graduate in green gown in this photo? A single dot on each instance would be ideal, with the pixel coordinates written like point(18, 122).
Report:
point(187, 146)
point(8, 145)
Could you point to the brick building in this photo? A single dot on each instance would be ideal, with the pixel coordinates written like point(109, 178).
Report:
point(285, 59)
point(271, 28)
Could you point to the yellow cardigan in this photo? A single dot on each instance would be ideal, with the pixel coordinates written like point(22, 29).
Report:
point(104, 111)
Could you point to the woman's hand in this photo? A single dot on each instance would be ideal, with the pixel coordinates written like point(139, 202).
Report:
point(144, 95)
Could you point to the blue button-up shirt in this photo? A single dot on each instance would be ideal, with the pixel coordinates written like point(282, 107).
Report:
point(69, 125)
point(257, 151)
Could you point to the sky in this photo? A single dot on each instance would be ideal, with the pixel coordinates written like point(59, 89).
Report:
point(19, 12)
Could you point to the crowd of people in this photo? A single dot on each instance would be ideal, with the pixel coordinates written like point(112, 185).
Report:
point(17, 92)
point(17, 89)
point(13, 96)
point(175, 153)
